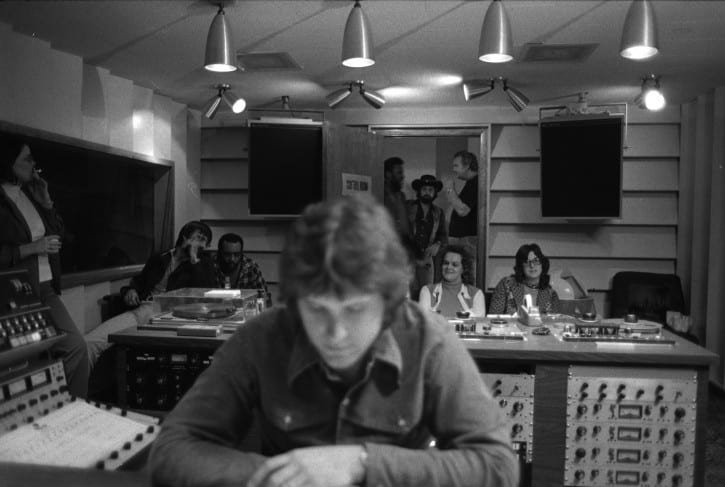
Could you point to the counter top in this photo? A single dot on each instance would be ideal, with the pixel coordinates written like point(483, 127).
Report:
point(533, 348)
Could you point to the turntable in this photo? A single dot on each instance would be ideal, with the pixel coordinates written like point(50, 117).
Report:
point(195, 307)
point(199, 315)
point(203, 311)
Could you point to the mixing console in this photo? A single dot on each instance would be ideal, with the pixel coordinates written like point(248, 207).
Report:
point(41, 423)
point(630, 427)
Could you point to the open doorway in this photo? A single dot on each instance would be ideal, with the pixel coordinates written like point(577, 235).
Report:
point(430, 150)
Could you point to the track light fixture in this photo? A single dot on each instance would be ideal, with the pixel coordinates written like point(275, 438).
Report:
point(639, 34)
point(337, 96)
point(357, 42)
point(651, 97)
point(373, 98)
point(475, 88)
point(496, 44)
point(517, 99)
point(237, 104)
point(220, 56)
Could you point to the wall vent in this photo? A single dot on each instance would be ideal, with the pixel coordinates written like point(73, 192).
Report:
point(267, 61)
point(561, 53)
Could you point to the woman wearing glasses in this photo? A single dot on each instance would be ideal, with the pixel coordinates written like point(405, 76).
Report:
point(531, 277)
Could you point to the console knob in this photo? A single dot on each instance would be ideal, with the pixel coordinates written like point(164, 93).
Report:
point(602, 387)
point(518, 407)
point(596, 430)
point(640, 393)
point(661, 455)
point(677, 459)
point(503, 403)
point(660, 477)
point(595, 452)
point(581, 409)
point(581, 431)
point(516, 429)
point(579, 475)
point(679, 436)
point(663, 433)
point(584, 386)
point(580, 453)
point(676, 480)
point(663, 410)
point(621, 387)
point(679, 414)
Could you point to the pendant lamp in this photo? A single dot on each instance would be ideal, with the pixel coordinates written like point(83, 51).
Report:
point(496, 44)
point(639, 35)
point(357, 42)
point(220, 55)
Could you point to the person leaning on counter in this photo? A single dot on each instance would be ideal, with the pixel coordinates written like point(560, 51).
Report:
point(351, 380)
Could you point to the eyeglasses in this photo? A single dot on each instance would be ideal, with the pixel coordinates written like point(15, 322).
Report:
point(532, 262)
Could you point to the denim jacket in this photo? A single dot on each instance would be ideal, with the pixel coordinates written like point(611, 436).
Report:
point(420, 383)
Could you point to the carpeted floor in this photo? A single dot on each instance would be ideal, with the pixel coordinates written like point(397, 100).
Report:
point(715, 439)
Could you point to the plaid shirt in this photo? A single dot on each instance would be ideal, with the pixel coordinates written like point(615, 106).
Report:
point(250, 277)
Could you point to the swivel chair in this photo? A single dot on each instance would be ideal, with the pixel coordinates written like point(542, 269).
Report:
point(648, 295)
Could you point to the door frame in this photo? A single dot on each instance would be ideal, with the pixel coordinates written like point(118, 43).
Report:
point(483, 132)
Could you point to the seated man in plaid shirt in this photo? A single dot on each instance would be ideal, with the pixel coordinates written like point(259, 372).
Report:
point(235, 270)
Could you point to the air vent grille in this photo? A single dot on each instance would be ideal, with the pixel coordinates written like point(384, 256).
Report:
point(562, 53)
point(267, 61)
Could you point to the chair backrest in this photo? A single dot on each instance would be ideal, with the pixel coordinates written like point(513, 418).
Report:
point(647, 294)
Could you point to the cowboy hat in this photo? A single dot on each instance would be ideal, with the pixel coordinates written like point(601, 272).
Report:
point(427, 180)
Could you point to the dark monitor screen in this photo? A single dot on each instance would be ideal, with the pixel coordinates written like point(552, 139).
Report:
point(285, 168)
point(581, 167)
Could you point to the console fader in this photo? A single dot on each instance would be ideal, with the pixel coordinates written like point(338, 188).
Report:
point(630, 426)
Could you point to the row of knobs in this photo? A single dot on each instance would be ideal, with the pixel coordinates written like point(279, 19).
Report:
point(580, 475)
point(677, 459)
point(584, 392)
point(126, 446)
point(581, 433)
point(680, 412)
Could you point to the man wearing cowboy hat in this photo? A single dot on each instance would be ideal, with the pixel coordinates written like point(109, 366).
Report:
point(428, 222)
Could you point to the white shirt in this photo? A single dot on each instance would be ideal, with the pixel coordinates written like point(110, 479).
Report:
point(35, 224)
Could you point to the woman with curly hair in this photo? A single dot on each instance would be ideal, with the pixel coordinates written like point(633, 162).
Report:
point(456, 292)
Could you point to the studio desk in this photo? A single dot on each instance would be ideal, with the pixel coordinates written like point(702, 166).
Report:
point(581, 413)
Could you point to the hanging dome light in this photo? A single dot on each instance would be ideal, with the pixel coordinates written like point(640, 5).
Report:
point(357, 42)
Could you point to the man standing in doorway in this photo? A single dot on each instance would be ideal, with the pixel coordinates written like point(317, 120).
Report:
point(463, 229)
point(394, 200)
point(429, 230)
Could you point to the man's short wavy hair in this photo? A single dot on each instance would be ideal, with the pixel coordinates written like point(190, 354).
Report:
point(348, 244)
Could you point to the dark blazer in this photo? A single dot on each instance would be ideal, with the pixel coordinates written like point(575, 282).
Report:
point(186, 274)
point(14, 232)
